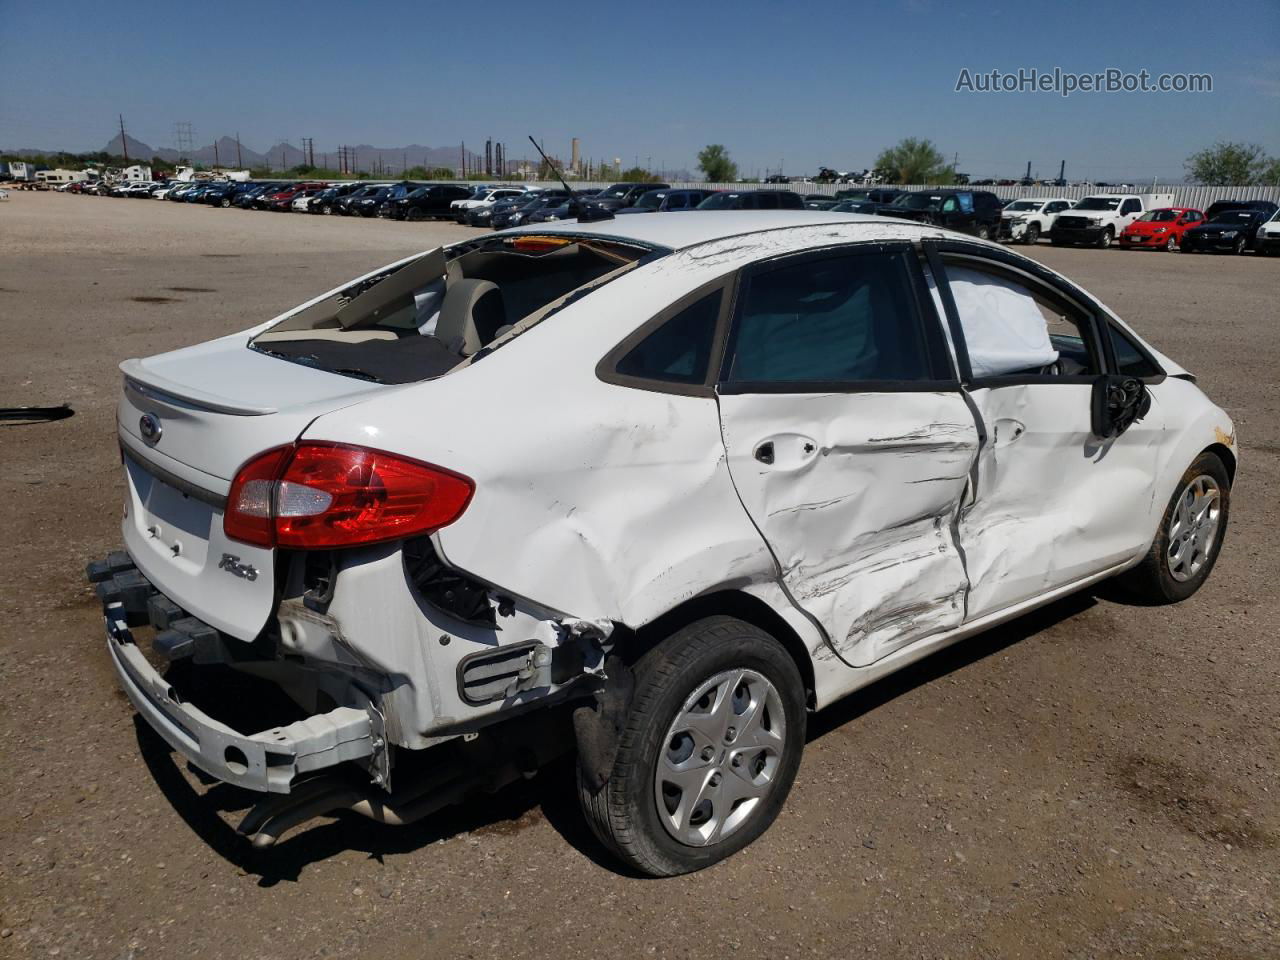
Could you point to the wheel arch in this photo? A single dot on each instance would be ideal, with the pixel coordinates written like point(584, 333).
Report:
point(1228, 458)
point(729, 603)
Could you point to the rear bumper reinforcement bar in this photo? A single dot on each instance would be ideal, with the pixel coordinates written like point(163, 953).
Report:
point(267, 761)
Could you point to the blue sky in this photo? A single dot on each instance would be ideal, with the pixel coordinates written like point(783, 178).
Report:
point(796, 84)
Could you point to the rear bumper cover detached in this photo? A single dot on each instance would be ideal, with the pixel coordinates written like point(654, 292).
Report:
point(267, 761)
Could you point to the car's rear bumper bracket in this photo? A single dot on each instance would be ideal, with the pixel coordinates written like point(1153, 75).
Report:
point(267, 761)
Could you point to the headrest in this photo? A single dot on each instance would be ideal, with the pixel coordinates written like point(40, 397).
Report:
point(470, 316)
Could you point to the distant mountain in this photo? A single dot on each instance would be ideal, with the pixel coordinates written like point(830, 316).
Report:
point(284, 156)
point(138, 151)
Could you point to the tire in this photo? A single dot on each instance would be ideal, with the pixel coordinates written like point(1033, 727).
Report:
point(1171, 245)
point(984, 232)
point(1159, 579)
point(1104, 240)
point(1032, 235)
point(1239, 246)
point(413, 213)
point(224, 202)
point(643, 818)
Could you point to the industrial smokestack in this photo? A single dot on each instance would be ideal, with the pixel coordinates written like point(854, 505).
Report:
point(573, 154)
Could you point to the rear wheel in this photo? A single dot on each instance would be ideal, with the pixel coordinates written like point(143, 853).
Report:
point(709, 751)
point(1190, 536)
point(224, 202)
point(413, 213)
point(984, 232)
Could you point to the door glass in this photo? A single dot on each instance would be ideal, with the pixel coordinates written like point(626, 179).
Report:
point(1012, 329)
point(840, 319)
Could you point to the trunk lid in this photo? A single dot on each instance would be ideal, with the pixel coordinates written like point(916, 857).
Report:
point(187, 420)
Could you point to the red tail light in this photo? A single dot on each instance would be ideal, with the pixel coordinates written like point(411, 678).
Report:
point(319, 495)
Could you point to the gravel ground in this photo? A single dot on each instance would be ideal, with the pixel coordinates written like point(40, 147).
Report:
point(1094, 780)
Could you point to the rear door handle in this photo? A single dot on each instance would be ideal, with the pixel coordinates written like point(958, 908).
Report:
point(764, 452)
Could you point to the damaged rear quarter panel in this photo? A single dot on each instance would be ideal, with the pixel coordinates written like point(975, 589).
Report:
point(591, 499)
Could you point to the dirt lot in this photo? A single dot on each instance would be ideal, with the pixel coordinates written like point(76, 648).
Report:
point(1095, 780)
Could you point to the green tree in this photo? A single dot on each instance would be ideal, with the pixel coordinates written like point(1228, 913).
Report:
point(1270, 177)
point(420, 172)
point(914, 161)
point(637, 175)
point(1229, 164)
point(714, 162)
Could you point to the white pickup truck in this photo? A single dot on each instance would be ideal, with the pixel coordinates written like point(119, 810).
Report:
point(1099, 219)
point(1028, 219)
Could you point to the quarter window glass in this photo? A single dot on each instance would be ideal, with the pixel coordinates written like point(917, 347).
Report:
point(679, 351)
point(1129, 360)
point(839, 319)
point(1012, 330)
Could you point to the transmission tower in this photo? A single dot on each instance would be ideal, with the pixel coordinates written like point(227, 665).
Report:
point(184, 139)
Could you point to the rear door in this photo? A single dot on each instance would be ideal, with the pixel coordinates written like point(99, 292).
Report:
point(850, 444)
point(1051, 503)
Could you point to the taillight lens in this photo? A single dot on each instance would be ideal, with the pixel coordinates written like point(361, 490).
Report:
point(324, 495)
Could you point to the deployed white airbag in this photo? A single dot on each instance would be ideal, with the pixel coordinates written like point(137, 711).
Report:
point(1004, 328)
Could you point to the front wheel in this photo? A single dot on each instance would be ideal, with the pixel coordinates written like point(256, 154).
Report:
point(1171, 245)
point(984, 232)
point(708, 753)
point(1032, 235)
point(1105, 239)
point(1239, 245)
point(224, 202)
point(1190, 536)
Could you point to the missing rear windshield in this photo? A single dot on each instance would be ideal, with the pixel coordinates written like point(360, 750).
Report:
point(426, 316)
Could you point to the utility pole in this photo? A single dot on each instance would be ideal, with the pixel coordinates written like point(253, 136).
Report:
point(239, 162)
point(124, 143)
point(215, 154)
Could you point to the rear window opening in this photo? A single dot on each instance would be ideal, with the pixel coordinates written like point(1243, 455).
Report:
point(424, 317)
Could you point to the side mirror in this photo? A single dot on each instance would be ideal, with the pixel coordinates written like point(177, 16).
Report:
point(1117, 402)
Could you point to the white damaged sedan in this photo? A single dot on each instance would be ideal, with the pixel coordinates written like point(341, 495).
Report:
point(647, 489)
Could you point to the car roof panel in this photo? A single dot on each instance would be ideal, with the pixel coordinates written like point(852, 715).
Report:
point(689, 229)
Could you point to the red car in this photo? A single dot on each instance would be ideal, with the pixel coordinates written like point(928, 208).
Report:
point(282, 199)
point(1161, 228)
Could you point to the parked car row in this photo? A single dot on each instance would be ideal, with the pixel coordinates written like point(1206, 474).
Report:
point(1138, 220)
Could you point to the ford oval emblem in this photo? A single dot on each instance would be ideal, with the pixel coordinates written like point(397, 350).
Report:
point(149, 427)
